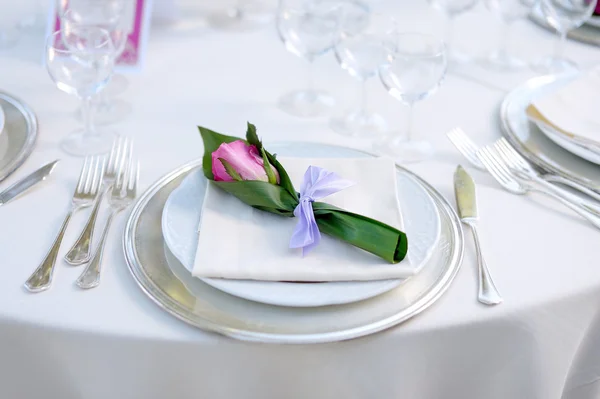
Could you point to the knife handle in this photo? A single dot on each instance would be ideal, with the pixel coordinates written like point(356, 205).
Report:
point(488, 293)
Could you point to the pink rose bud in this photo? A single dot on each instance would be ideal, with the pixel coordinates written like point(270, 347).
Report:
point(244, 159)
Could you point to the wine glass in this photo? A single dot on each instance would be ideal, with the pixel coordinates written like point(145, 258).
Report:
point(308, 29)
point(111, 16)
point(564, 16)
point(452, 8)
point(509, 11)
point(361, 55)
point(80, 61)
point(417, 70)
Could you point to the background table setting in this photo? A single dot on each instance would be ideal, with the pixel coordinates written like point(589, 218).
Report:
point(439, 161)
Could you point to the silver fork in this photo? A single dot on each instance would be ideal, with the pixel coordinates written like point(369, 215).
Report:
point(468, 148)
point(123, 193)
point(520, 166)
point(81, 250)
point(500, 171)
point(90, 181)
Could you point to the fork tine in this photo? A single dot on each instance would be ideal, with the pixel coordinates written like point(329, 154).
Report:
point(467, 142)
point(465, 145)
point(98, 175)
point(499, 163)
point(90, 174)
point(515, 155)
point(112, 158)
point(123, 169)
point(488, 160)
point(505, 155)
point(134, 176)
point(83, 174)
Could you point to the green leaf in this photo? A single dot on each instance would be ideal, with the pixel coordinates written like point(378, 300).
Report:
point(284, 179)
point(212, 140)
point(252, 137)
point(261, 195)
point(267, 165)
point(230, 170)
point(368, 234)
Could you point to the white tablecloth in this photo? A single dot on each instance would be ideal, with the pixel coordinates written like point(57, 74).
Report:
point(113, 342)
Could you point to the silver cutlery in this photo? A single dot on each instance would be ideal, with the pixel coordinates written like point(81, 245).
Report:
point(86, 191)
point(80, 252)
point(466, 202)
point(468, 148)
point(502, 174)
point(524, 170)
point(123, 193)
point(26, 183)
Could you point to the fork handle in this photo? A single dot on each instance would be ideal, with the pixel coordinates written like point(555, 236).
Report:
point(80, 251)
point(488, 293)
point(579, 187)
point(582, 210)
point(41, 279)
point(90, 277)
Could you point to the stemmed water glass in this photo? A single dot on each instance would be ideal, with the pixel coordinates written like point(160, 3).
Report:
point(452, 8)
point(80, 61)
point(362, 54)
point(564, 16)
point(111, 16)
point(508, 11)
point(309, 29)
point(417, 70)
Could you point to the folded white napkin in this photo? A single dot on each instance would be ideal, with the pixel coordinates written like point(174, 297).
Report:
point(236, 241)
point(574, 108)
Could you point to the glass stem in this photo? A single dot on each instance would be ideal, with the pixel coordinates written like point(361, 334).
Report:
point(449, 32)
point(409, 122)
point(363, 98)
point(559, 49)
point(86, 113)
point(310, 84)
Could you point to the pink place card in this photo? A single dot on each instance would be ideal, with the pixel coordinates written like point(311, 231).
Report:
point(137, 18)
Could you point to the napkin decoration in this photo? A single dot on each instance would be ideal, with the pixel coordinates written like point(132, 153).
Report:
point(246, 170)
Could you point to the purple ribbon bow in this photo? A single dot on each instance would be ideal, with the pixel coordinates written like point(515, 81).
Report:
point(318, 183)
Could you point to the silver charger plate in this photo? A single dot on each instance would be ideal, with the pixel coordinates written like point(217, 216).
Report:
point(533, 144)
point(18, 136)
point(212, 310)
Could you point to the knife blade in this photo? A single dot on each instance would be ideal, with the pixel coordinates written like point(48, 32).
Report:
point(466, 196)
point(26, 183)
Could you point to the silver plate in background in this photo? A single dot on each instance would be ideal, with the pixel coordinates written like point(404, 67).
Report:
point(587, 33)
point(533, 144)
point(212, 310)
point(18, 136)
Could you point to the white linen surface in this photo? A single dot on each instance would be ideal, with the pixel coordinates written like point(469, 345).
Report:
point(574, 107)
point(236, 241)
point(543, 342)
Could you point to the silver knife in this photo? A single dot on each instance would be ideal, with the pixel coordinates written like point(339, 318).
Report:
point(26, 183)
point(466, 201)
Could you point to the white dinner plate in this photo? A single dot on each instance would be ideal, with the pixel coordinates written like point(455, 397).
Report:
point(181, 217)
point(536, 146)
point(556, 136)
point(1, 119)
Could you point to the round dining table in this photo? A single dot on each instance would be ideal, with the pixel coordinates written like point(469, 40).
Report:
point(542, 342)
